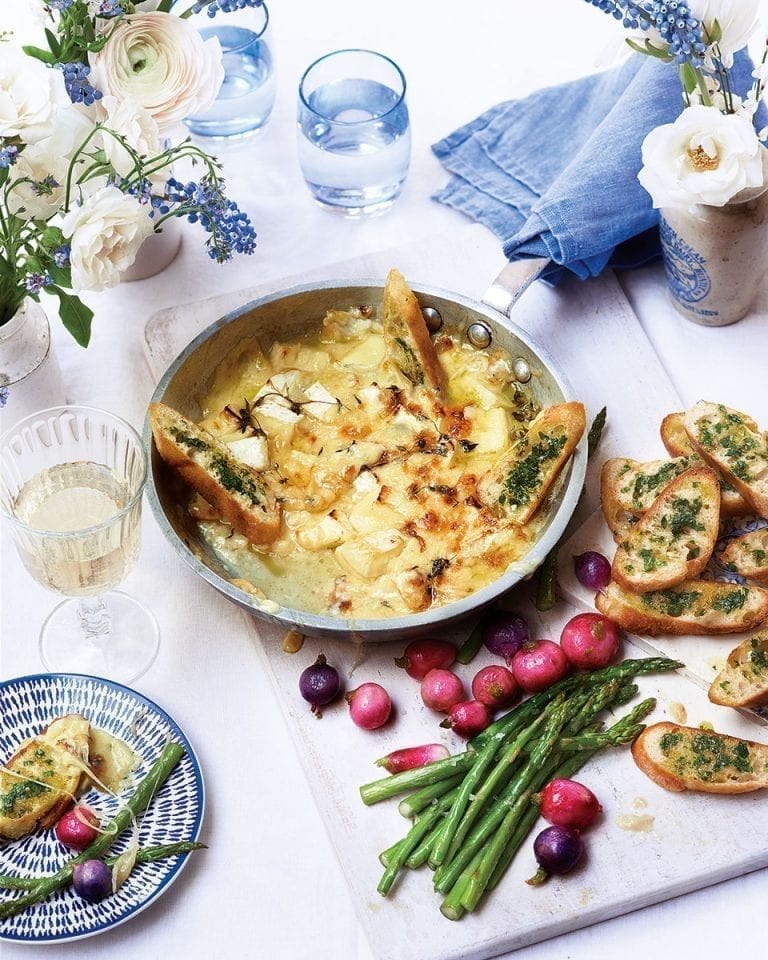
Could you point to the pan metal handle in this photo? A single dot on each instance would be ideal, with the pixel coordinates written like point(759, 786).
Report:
point(513, 281)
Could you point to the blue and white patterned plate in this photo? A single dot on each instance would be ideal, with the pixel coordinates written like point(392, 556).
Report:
point(27, 705)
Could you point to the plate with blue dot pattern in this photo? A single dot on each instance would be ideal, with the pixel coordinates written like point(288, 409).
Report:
point(27, 706)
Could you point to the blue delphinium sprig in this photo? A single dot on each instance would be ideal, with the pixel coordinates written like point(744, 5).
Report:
point(8, 156)
point(77, 84)
point(34, 282)
point(231, 230)
point(225, 6)
point(3, 395)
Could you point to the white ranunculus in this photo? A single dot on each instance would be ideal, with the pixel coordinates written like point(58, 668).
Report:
point(163, 63)
point(41, 170)
point(129, 119)
point(738, 20)
point(703, 157)
point(31, 94)
point(104, 234)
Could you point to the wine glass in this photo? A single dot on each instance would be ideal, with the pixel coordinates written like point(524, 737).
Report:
point(71, 485)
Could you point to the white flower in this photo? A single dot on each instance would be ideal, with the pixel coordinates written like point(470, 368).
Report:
point(30, 96)
point(104, 234)
point(163, 63)
point(738, 20)
point(41, 170)
point(703, 157)
point(129, 119)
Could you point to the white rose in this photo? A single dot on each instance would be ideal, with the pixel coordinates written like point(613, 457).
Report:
point(41, 170)
point(738, 20)
point(104, 234)
point(30, 96)
point(163, 63)
point(703, 157)
point(129, 119)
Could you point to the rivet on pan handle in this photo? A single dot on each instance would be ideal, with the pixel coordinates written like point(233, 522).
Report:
point(512, 283)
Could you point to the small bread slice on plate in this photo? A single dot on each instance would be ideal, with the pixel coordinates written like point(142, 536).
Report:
point(674, 539)
point(41, 779)
point(517, 485)
point(628, 488)
point(688, 758)
point(678, 444)
point(747, 554)
point(237, 492)
point(729, 441)
point(698, 607)
point(743, 681)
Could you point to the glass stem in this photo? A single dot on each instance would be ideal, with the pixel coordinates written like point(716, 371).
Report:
point(95, 619)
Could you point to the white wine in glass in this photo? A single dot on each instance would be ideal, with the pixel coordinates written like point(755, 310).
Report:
point(71, 485)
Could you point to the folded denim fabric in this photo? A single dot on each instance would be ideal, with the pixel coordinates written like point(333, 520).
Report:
point(555, 174)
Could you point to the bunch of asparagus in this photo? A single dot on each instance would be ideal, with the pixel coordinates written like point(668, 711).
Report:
point(38, 888)
point(472, 811)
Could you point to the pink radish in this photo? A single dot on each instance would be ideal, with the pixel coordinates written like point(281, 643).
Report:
point(409, 758)
point(440, 689)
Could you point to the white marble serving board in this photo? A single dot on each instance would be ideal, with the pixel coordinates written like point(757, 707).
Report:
point(694, 841)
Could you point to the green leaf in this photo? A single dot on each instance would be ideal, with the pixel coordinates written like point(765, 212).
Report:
point(688, 77)
point(648, 48)
point(6, 270)
point(61, 276)
point(52, 238)
point(3, 176)
point(39, 54)
point(74, 314)
point(715, 32)
point(53, 42)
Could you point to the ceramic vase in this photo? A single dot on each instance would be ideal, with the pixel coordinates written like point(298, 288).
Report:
point(715, 258)
point(30, 376)
point(157, 252)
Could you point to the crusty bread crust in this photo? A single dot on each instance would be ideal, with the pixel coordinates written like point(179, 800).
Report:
point(211, 470)
point(699, 607)
point(743, 681)
point(628, 488)
point(688, 758)
point(551, 439)
point(406, 335)
point(747, 554)
point(729, 441)
point(674, 539)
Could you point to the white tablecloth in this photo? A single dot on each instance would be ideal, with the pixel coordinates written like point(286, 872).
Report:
point(269, 886)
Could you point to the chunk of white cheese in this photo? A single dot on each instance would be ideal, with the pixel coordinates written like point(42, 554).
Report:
point(323, 406)
point(320, 536)
point(367, 355)
point(369, 556)
point(490, 430)
point(251, 450)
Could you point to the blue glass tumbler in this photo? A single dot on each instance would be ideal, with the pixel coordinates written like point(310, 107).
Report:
point(247, 94)
point(354, 133)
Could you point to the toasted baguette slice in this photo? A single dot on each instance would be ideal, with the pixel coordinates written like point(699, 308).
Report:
point(747, 554)
point(689, 758)
point(743, 681)
point(517, 485)
point(728, 441)
point(236, 491)
point(39, 781)
point(406, 337)
point(678, 444)
point(692, 607)
point(628, 488)
point(674, 539)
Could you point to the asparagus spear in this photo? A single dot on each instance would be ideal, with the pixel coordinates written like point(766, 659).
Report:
point(134, 807)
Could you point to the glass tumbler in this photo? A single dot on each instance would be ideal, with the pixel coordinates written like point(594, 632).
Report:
point(353, 131)
point(247, 95)
point(71, 485)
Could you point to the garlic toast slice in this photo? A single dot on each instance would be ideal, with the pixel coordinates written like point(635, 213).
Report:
point(39, 781)
point(729, 441)
point(237, 492)
point(674, 539)
point(743, 681)
point(688, 758)
point(406, 338)
point(678, 444)
point(517, 485)
point(628, 488)
point(747, 554)
point(697, 607)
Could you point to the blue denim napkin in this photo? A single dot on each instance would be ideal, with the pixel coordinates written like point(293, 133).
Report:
point(555, 174)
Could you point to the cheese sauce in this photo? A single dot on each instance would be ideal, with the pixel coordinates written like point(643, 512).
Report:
point(376, 479)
